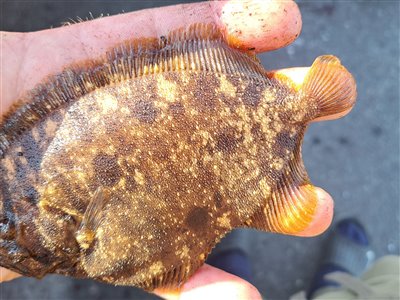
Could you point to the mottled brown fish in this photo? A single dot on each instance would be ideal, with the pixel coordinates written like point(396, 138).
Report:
point(129, 169)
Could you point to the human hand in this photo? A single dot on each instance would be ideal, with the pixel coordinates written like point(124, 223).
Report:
point(260, 25)
point(7, 275)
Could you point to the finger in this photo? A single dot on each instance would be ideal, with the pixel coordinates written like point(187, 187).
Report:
point(259, 24)
point(7, 275)
point(212, 283)
point(295, 76)
point(323, 215)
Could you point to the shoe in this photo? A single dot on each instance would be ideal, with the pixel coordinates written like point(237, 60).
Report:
point(348, 251)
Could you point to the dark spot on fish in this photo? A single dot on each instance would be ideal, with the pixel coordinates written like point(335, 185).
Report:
point(218, 199)
point(283, 142)
point(176, 109)
point(257, 132)
point(252, 94)
point(145, 111)
point(107, 172)
point(226, 142)
point(197, 219)
point(208, 148)
point(32, 151)
point(264, 161)
point(130, 184)
point(204, 92)
point(150, 184)
point(377, 130)
point(42, 131)
point(30, 194)
point(19, 153)
point(57, 115)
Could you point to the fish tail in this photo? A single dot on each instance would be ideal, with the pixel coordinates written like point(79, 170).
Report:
point(331, 88)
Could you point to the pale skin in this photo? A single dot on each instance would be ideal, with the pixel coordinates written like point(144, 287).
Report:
point(27, 58)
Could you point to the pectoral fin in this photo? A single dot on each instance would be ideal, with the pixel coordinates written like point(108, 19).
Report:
point(292, 205)
point(91, 219)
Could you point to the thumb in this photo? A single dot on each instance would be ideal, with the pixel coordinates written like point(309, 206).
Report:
point(212, 283)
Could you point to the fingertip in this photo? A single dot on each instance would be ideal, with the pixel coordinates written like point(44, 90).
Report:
point(294, 76)
point(261, 25)
point(323, 215)
point(212, 283)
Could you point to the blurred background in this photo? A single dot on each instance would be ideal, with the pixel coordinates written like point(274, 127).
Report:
point(356, 159)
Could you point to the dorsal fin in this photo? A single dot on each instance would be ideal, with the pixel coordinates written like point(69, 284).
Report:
point(200, 47)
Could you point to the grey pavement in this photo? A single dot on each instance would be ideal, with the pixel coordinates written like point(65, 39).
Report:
point(356, 158)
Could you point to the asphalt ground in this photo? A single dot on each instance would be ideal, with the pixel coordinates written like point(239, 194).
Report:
point(356, 158)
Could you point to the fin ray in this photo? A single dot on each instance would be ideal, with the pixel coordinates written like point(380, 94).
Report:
point(200, 47)
point(331, 86)
point(92, 218)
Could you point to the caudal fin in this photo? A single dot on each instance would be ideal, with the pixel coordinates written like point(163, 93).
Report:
point(331, 86)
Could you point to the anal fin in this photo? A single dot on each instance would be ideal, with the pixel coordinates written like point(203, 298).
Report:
point(292, 205)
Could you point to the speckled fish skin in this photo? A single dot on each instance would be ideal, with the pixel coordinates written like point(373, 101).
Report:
point(134, 179)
